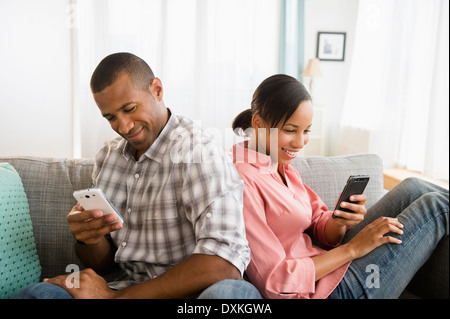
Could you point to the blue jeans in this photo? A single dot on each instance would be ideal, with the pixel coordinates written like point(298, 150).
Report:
point(385, 272)
point(225, 289)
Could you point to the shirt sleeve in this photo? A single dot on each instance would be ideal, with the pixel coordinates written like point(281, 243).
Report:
point(270, 271)
point(320, 217)
point(212, 197)
point(98, 164)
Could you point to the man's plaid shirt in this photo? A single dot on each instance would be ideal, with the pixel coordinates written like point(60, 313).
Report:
point(182, 197)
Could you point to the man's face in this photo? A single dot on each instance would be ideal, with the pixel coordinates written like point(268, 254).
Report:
point(136, 115)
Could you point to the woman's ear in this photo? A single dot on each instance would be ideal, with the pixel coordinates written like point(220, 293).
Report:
point(257, 122)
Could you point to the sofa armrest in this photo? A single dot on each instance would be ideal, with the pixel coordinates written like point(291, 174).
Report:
point(431, 281)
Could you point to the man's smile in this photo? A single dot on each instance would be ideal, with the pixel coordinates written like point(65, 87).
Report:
point(135, 136)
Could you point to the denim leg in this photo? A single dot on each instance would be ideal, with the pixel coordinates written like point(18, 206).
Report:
point(230, 289)
point(396, 201)
point(42, 290)
point(225, 289)
point(385, 272)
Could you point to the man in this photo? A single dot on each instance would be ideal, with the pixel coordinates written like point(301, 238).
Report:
point(183, 232)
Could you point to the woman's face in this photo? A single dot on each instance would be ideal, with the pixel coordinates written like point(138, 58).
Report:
point(292, 136)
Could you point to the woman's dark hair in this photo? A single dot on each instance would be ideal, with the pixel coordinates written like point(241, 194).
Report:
point(275, 99)
point(112, 66)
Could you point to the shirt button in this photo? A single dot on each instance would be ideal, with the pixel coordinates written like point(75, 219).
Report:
point(208, 215)
point(124, 244)
point(136, 175)
point(129, 210)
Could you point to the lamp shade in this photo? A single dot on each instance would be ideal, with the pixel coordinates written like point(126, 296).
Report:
point(312, 69)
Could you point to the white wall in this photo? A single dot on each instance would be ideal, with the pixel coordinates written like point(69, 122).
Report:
point(35, 108)
point(334, 16)
point(35, 77)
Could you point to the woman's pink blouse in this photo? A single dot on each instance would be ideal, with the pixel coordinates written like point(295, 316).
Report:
point(279, 221)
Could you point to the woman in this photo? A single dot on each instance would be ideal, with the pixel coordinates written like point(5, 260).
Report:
point(282, 214)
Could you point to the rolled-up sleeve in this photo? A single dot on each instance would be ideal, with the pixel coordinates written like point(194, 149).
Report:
point(213, 198)
point(320, 217)
point(220, 231)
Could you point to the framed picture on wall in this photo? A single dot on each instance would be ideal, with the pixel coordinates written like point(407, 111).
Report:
point(331, 46)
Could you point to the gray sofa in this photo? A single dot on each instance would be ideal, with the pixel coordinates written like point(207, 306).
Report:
point(49, 183)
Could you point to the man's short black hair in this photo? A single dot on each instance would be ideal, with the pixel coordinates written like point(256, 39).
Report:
point(114, 65)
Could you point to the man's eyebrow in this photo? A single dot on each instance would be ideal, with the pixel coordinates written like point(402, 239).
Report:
point(119, 109)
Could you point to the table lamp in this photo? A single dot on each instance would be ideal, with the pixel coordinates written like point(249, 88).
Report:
point(312, 70)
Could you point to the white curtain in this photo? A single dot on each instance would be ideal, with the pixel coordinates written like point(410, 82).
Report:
point(209, 54)
point(397, 101)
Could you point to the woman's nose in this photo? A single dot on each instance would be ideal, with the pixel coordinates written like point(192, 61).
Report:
point(299, 142)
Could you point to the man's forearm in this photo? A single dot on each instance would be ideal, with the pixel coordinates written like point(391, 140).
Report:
point(185, 280)
point(99, 257)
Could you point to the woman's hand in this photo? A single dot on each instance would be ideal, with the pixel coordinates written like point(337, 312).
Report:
point(336, 228)
point(369, 238)
point(373, 235)
point(357, 214)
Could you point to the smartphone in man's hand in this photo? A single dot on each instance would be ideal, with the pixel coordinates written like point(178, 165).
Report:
point(94, 198)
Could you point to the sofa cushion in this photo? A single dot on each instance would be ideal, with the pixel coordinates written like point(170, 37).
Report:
point(49, 184)
point(327, 175)
point(19, 262)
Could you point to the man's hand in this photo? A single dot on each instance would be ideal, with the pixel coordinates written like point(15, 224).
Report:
point(90, 285)
point(89, 226)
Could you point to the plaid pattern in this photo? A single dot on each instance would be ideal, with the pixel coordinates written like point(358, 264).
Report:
point(175, 201)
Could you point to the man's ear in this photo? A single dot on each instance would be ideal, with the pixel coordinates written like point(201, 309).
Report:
point(156, 89)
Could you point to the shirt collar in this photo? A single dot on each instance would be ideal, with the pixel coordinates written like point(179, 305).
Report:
point(158, 148)
point(242, 154)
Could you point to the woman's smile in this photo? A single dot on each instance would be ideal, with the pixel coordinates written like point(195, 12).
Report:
point(289, 153)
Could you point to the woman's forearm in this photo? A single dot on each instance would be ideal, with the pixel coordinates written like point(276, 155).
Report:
point(334, 232)
point(331, 260)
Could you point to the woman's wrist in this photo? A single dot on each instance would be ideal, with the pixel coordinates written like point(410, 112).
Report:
point(334, 231)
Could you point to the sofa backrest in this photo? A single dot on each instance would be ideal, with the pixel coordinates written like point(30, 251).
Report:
point(50, 182)
point(327, 176)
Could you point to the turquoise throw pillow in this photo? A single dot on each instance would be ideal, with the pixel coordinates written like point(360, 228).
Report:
point(19, 262)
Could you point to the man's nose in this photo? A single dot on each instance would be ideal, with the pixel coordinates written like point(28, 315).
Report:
point(124, 125)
